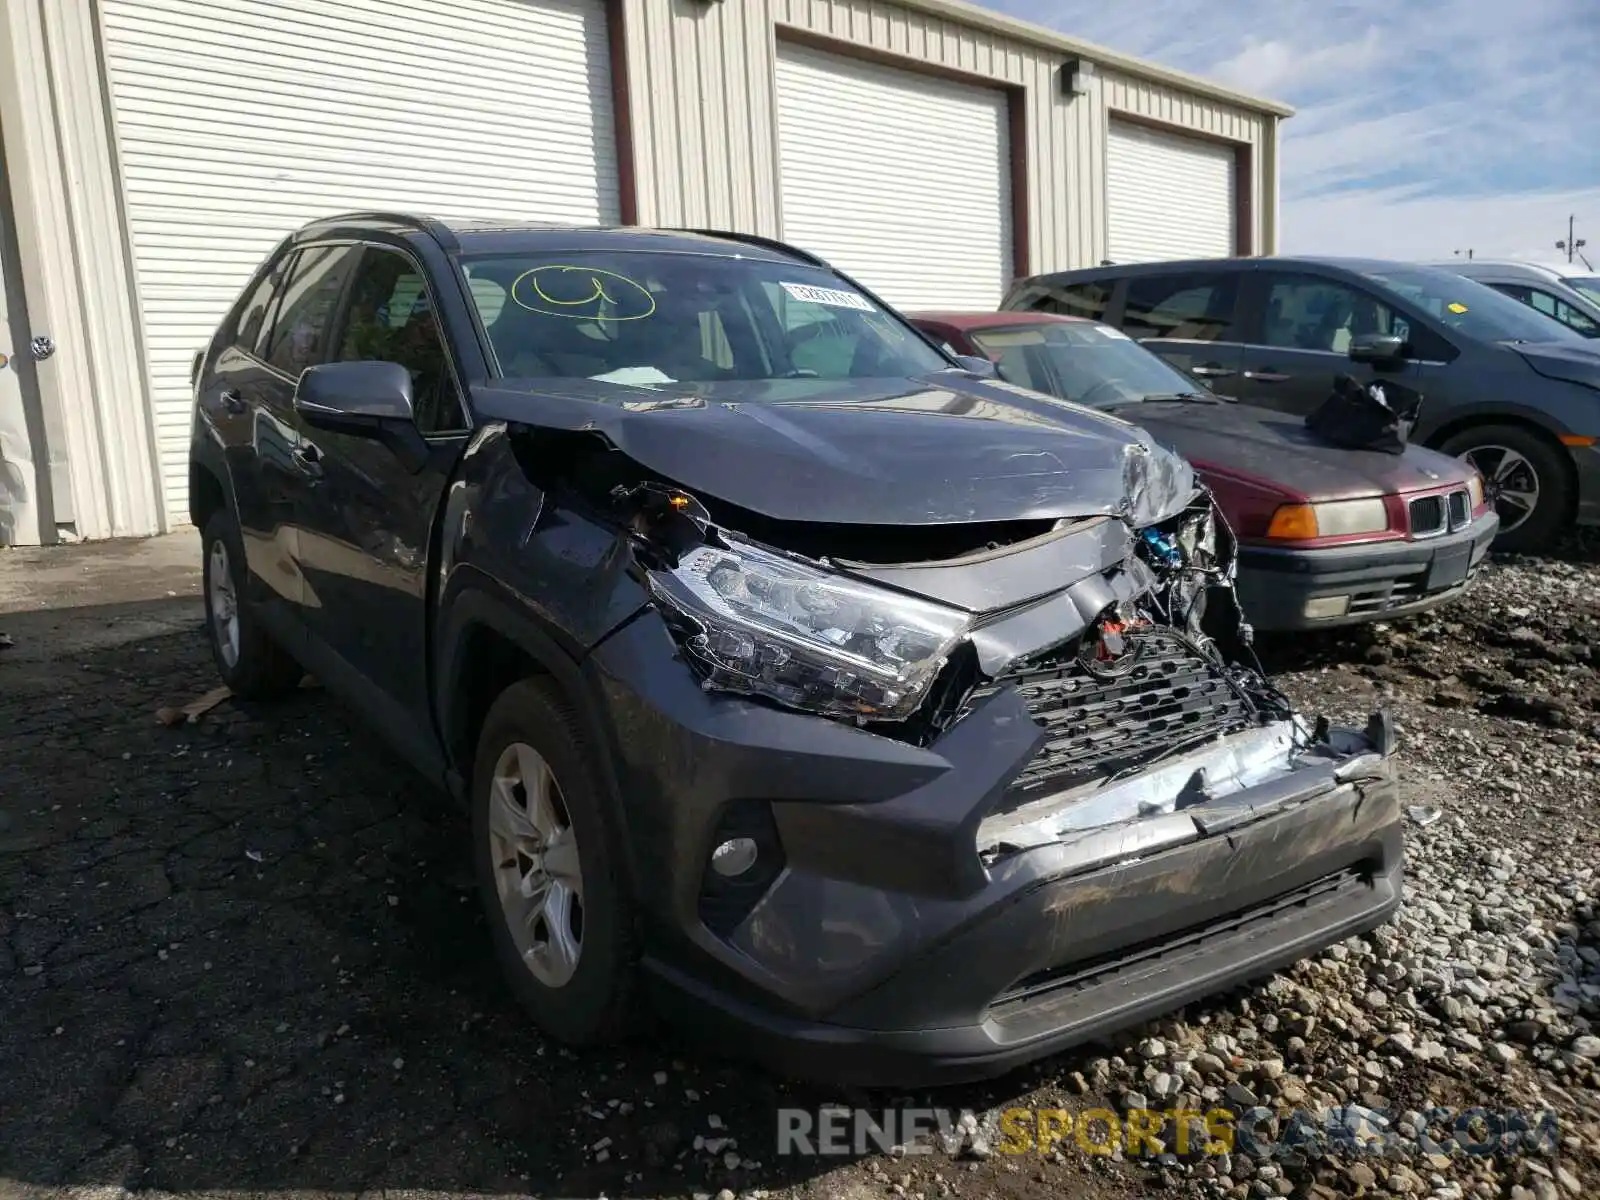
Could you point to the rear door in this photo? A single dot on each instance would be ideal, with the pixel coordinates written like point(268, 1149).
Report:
point(233, 397)
point(1191, 318)
point(1301, 340)
point(298, 338)
point(366, 519)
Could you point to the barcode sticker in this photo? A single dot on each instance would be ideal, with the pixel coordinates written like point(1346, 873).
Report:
point(832, 297)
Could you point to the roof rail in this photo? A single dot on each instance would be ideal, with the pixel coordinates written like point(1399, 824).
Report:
point(755, 239)
point(429, 225)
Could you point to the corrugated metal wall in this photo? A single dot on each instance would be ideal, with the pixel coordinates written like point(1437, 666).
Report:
point(704, 139)
point(701, 82)
point(358, 105)
point(76, 269)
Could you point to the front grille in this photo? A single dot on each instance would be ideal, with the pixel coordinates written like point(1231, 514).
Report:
point(1172, 696)
point(1427, 516)
point(1432, 515)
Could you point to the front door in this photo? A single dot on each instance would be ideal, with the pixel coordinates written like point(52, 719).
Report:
point(1303, 344)
point(366, 518)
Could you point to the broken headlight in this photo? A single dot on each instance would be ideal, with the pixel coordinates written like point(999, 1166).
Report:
point(763, 624)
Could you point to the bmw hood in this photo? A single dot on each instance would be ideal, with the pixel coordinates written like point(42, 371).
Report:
point(1263, 444)
point(931, 450)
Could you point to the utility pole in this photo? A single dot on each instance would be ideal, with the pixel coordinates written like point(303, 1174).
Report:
point(1572, 244)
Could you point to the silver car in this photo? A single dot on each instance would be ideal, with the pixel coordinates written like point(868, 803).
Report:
point(1569, 293)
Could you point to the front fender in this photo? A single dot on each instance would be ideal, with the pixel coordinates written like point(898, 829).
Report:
point(479, 602)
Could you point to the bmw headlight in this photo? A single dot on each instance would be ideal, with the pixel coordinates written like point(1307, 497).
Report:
point(760, 623)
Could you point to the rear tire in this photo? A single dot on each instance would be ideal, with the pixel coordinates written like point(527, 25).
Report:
point(1527, 466)
point(544, 852)
point(252, 665)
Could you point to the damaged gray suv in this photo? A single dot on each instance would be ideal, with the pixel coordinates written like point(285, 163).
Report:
point(890, 722)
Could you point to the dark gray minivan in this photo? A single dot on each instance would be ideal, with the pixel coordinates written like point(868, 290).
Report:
point(1505, 388)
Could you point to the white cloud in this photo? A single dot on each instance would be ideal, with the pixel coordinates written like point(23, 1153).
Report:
point(1420, 128)
point(1266, 66)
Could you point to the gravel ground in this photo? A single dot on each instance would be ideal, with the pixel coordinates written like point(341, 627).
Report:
point(241, 956)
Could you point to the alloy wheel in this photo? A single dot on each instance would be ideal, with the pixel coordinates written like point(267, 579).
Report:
point(1512, 481)
point(537, 871)
point(224, 603)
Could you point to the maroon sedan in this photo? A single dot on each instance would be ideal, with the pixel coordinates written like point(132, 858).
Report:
point(1328, 536)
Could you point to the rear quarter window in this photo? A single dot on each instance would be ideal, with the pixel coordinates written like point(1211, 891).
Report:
point(1191, 307)
point(1090, 298)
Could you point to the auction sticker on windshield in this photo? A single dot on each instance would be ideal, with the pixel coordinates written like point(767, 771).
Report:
point(832, 297)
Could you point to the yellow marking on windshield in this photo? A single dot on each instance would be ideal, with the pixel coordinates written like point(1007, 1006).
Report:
point(582, 294)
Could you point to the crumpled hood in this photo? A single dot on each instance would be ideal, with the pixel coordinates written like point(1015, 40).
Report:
point(1278, 448)
point(1574, 362)
point(941, 448)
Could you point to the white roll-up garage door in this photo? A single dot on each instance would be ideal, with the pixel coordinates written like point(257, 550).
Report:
point(900, 179)
point(238, 120)
point(1168, 196)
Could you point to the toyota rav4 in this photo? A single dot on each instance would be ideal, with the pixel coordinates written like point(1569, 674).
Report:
point(803, 681)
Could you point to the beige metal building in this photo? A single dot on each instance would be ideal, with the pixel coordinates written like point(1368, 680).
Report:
point(154, 150)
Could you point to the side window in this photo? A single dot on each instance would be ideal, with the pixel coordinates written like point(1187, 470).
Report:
point(252, 312)
point(389, 319)
point(1426, 345)
point(1186, 307)
point(1307, 313)
point(1515, 291)
point(1551, 306)
point(1554, 306)
point(1090, 299)
point(300, 331)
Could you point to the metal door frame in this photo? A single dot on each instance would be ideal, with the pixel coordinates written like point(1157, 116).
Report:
point(20, 335)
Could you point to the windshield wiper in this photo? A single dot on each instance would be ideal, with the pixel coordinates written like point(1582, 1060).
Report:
point(1182, 397)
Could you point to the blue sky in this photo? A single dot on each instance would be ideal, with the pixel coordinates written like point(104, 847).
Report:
point(1421, 127)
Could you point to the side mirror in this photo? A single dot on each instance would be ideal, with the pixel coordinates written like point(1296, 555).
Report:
point(1377, 349)
point(978, 366)
point(354, 397)
point(365, 399)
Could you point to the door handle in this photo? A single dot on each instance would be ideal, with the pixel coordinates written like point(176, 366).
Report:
point(233, 401)
point(1211, 371)
point(1266, 376)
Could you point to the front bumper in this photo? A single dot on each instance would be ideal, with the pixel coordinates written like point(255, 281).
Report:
point(888, 951)
point(1381, 580)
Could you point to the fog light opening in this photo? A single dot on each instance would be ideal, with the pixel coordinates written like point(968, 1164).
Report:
point(1327, 606)
point(734, 857)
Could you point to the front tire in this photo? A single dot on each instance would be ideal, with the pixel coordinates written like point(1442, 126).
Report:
point(558, 912)
point(252, 665)
point(1533, 476)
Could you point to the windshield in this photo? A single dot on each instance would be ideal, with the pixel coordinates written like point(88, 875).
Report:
point(645, 318)
point(1587, 286)
point(1088, 364)
point(1473, 308)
